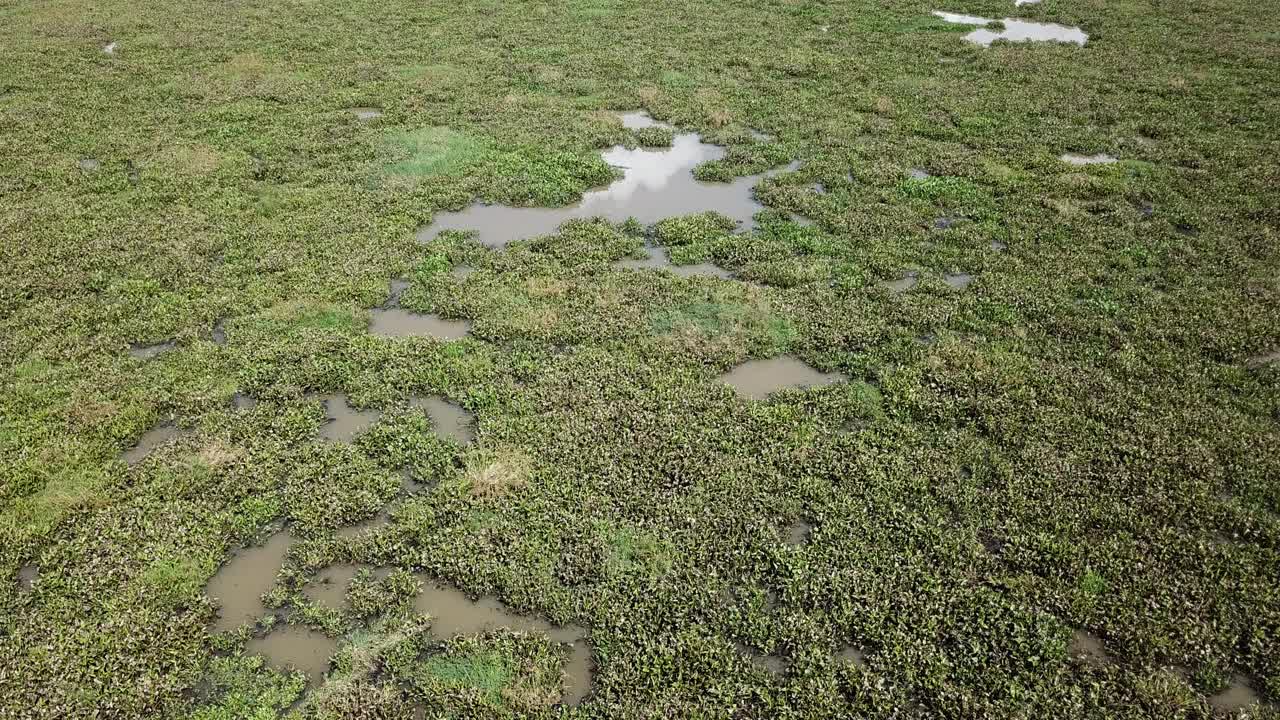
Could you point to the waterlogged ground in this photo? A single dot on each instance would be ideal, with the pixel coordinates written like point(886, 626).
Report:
point(937, 374)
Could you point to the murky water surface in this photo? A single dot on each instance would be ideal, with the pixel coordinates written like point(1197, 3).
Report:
point(903, 284)
point(88, 164)
point(758, 379)
point(297, 648)
point(146, 352)
point(111, 47)
point(1237, 696)
point(1264, 359)
point(398, 287)
point(450, 421)
point(916, 173)
point(382, 519)
point(799, 531)
point(366, 114)
point(657, 259)
point(1088, 648)
point(656, 184)
point(238, 586)
point(1015, 30)
point(27, 576)
point(345, 422)
point(639, 120)
point(453, 613)
point(240, 401)
point(1098, 159)
point(150, 440)
point(852, 654)
point(397, 322)
point(329, 587)
point(462, 272)
point(959, 281)
point(769, 663)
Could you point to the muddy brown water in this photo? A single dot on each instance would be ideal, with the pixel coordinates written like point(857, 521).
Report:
point(656, 259)
point(1088, 648)
point(293, 647)
point(758, 379)
point(901, 285)
point(1264, 359)
point(958, 281)
point(398, 287)
point(382, 519)
point(27, 576)
point(656, 183)
point(150, 440)
point(1014, 30)
point(450, 421)
point(329, 587)
point(239, 584)
point(240, 401)
point(1098, 159)
point(147, 352)
point(1240, 694)
point(852, 654)
point(397, 322)
point(799, 531)
point(344, 422)
point(453, 613)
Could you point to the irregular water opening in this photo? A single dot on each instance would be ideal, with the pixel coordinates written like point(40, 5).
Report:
point(88, 164)
point(382, 519)
point(150, 440)
point(1020, 3)
point(27, 576)
point(655, 184)
point(219, 333)
point(761, 136)
point(799, 531)
point(238, 586)
point(1014, 30)
point(998, 246)
point(657, 259)
point(365, 114)
point(639, 120)
point(1240, 694)
point(853, 655)
point(1258, 361)
point(917, 173)
point(293, 647)
point(772, 664)
point(344, 422)
point(397, 322)
point(450, 421)
point(958, 281)
point(147, 352)
point(398, 287)
point(903, 284)
point(945, 222)
point(329, 587)
point(240, 401)
point(111, 47)
point(1098, 159)
point(462, 272)
point(453, 613)
point(758, 379)
point(1088, 648)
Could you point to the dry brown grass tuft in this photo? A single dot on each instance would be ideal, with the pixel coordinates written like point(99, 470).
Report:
point(497, 473)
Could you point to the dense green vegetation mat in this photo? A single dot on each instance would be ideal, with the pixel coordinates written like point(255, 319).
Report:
point(1053, 493)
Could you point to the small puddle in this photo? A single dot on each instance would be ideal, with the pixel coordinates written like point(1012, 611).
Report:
point(111, 47)
point(998, 246)
point(905, 283)
point(294, 647)
point(238, 586)
point(147, 352)
point(958, 281)
point(344, 422)
point(365, 114)
point(1258, 361)
point(396, 322)
point(219, 333)
point(639, 120)
point(657, 259)
point(771, 664)
point(799, 531)
point(27, 576)
point(945, 222)
point(1088, 649)
point(382, 519)
point(1099, 159)
point(240, 401)
point(453, 613)
point(852, 655)
point(761, 137)
point(88, 164)
point(450, 421)
point(758, 379)
point(1237, 696)
point(656, 184)
point(1014, 30)
point(329, 587)
point(916, 173)
point(150, 440)
point(398, 287)
point(462, 272)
